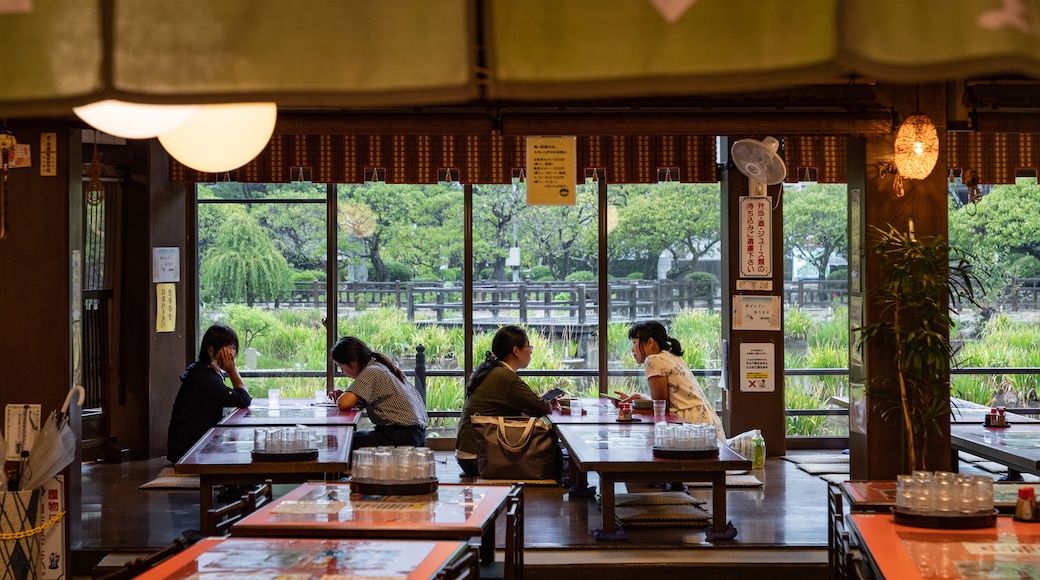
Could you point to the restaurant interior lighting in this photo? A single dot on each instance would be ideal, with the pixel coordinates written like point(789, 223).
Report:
point(916, 147)
point(134, 120)
point(222, 137)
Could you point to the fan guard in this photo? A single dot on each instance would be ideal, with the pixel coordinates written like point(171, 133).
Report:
point(759, 161)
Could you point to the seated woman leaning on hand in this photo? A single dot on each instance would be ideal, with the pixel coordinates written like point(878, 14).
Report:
point(668, 376)
point(494, 389)
point(394, 406)
point(204, 395)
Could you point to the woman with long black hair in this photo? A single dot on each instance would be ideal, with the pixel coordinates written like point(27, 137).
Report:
point(394, 406)
point(494, 389)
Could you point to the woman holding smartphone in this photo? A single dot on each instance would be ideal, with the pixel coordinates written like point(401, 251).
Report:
point(494, 389)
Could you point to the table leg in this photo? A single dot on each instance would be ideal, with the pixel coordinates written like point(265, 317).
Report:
point(487, 545)
point(606, 492)
point(205, 502)
point(718, 501)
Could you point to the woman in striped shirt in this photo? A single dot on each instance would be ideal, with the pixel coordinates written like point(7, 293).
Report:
point(394, 406)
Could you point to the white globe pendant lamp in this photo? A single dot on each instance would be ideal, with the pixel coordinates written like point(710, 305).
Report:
point(222, 137)
point(134, 120)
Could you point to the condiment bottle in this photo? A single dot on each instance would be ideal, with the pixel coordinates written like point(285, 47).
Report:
point(1026, 502)
point(625, 412)
point(758, 454)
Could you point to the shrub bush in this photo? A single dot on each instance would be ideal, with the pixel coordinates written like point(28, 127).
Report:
point(703, 282)
point(634, 276)
point(581, 275)
point(539, 273)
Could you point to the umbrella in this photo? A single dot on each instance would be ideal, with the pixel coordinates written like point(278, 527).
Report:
point(54, 448)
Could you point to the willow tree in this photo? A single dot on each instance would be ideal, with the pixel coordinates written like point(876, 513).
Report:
point(243, 264)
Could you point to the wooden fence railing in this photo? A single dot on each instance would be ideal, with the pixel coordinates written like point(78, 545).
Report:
point(579, 301)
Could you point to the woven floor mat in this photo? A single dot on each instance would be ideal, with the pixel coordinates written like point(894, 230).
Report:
point(821, 468)
point(748, 480)
point(835, 477)
point(167, 479)
point(658, 498)
point(822, 458)
point(662, 516)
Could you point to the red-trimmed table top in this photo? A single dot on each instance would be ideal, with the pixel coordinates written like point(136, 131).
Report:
point(608, 414)
point(328, 509)
point(907, 553)
point(309, 558)
point(261, 414)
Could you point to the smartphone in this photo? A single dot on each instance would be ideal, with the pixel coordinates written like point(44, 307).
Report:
point(553, 394)
point(612, 396)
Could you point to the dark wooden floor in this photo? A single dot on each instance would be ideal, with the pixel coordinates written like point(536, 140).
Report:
point(782, 527)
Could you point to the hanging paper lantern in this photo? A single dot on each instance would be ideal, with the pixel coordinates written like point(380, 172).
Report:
point(917, 147)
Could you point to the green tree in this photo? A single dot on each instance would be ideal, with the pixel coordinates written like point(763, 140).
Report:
point(371, 215)
point(560, 236)
point(428, 232)
point(495, 209)
point(243, 264)
point(816, 224)
point(680, 217)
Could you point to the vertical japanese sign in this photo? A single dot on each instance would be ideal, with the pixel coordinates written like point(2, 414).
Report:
point(756, 232)
point(757, 367)
point(165, 307)
point(52, 548)
point(551, 170)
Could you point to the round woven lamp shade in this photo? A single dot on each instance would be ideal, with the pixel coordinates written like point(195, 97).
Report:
point(917, 147)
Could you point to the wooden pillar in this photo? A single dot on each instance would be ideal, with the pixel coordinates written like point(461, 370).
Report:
point(875, 440)
point(759, 405)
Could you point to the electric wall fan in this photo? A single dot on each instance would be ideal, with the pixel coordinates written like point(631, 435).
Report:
point(759, 161)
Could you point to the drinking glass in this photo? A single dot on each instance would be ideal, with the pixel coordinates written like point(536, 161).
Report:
point(260, 439)
point(904, 492)
point(575, 407)
point(660, 410)
point(274, 397)
point(320, 396)
point(984, 493)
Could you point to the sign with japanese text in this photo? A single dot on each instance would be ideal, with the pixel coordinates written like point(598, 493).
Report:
point(166, 265)
point(757, 312)
point(165, 307)
point(756, 230)
point(757, 367)
point(551, 170)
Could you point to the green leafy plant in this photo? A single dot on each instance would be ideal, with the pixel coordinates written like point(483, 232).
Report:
point(924, 281)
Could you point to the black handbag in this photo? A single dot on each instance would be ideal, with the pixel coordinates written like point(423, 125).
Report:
point(517, 448)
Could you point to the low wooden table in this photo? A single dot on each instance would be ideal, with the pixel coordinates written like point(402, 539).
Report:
point(608, 414)
point(223, 456)
point(330, 510)
point(1017, 446)
point(897, 552)
point(624, 452)
point(311, 559)
point(301, 414)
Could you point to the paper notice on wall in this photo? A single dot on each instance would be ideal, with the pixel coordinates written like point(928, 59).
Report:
point(165, 307)
point(552, 170)
point(757, 367)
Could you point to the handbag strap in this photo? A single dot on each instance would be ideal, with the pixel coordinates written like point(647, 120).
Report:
point(521, 442)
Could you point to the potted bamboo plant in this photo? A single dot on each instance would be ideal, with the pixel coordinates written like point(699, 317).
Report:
point(925, 281)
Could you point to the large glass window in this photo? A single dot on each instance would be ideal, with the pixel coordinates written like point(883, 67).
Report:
point(262, 260)
point(665, 265)
point(816, 327)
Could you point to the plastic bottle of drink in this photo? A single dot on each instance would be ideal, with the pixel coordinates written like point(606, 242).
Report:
point(758, 456)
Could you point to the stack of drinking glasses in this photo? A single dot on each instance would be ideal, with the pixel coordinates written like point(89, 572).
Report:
point(940, 499)
point(285, 443)
point(393, 470)
point(688, 440)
